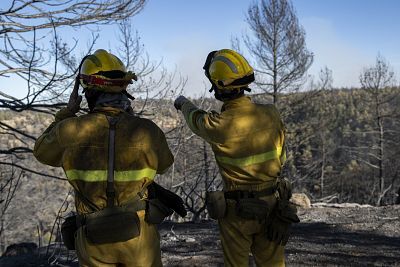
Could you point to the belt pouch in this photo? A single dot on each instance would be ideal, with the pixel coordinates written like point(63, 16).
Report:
point(156, 211)
point(113, 224)
point(68, 230)
point(252, 208)
point(216, 204)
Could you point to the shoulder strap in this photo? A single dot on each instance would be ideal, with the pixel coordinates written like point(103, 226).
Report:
point(110, 191)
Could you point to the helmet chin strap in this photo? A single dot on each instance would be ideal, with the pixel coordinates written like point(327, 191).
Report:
point(79, 71)
point(128, 95)
point(213, 87)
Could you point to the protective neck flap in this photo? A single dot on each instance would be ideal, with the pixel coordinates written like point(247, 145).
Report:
point(231, 94)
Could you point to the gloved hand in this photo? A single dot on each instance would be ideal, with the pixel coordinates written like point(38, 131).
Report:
point(75, 99)
point(277, 230)
point(170, 199)
point(179, 102)
point(279, 223)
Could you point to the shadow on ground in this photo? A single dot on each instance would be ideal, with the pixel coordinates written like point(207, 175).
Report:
point(325, 244)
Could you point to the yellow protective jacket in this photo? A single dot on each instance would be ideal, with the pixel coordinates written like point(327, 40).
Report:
point(247, 140)
point(80, 146)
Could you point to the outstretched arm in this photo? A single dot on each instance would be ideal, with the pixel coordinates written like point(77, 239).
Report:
point(199, 121)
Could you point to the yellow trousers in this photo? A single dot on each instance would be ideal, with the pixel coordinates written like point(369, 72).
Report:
point(239, 237)
point(141, 251)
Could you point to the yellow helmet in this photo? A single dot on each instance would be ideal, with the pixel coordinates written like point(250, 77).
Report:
point(105, 72)
point(227, 70)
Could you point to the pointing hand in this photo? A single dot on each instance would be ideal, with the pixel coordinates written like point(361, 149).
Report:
point(179, 102)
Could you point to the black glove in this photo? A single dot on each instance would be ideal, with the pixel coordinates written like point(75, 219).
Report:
point(277, 231)
point(170, 199)
point(279, 223)
point(178, 103)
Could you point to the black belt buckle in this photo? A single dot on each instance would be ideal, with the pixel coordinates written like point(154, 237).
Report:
point(247, 194)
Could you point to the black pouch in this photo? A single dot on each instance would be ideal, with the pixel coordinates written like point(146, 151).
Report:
point(68, 230)
point(287, 211)
point(156, 211)
point(252, 208)
point(114, 224)
point(216, 204)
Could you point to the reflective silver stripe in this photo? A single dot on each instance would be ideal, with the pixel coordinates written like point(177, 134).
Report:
point(228, 62)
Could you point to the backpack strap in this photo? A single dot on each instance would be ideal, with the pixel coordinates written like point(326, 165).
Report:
point(110, 191)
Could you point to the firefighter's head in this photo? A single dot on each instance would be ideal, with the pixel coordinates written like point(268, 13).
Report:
point(229, 73)
point(103, 72)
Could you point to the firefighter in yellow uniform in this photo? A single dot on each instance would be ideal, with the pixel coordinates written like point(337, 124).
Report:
point(80, 145)
point(248, 142)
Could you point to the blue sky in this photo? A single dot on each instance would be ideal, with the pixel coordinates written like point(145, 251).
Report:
point(344, 35)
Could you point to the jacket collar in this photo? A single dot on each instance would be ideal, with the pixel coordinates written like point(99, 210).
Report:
point(108, 111)
point(236, 103)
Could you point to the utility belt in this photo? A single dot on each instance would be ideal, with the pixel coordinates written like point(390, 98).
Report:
point(108, 225)
point(276, 218)
point(240, 194)
point(121, 223)
point(248, 203)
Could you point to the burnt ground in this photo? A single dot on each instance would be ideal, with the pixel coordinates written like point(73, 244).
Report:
point(326, 236)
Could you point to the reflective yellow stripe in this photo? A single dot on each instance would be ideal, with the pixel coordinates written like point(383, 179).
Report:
point(101, 175)
point(255, 159)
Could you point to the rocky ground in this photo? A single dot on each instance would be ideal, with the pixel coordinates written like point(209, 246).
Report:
point(327, 236)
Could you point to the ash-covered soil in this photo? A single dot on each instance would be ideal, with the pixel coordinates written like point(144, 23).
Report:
point(327, 236)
